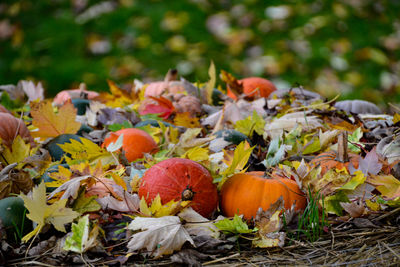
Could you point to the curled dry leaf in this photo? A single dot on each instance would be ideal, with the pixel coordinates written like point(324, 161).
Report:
point(159, 236)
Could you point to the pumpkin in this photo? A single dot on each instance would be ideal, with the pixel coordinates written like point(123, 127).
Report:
point(232, 136)
point(81, 105)
point(180, 179)
point(135, 143)
point(158, 88)
point(66, 95)
point(10, 127)
point(254, 87)
point(336, 159)
point(13, 217)
point(245, 193)
point(358, 107)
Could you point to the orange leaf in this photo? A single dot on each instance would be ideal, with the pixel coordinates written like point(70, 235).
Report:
point(53, 124)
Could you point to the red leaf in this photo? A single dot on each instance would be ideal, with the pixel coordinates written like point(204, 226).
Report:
point(164, 107)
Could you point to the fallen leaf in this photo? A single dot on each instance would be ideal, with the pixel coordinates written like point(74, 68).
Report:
point(51, 124)
point(159, 236)
point(82, 239)
point(370, 164)
point(388, 185)
point(42, 214)
point(196, 224)
point(235, 226)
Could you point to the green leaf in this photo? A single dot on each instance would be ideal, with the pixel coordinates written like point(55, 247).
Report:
point(85, 204)
point(355, 138)
point(233, 226)
point(80, 233)
point(118, 126)
point(252, 123)
point(355, 181)
point(312, 146)
point(332, 203)
point(275, 153)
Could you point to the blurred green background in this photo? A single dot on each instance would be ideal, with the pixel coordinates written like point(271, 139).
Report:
point(349, 47)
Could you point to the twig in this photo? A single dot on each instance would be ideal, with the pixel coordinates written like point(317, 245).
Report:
point(222, 259)
point(391, 250)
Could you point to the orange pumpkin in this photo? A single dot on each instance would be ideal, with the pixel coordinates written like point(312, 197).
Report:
point(329, 160)
point(135, 143)
point(336, 160)
point(245, 193)
point(254, 87)
point(10, 127)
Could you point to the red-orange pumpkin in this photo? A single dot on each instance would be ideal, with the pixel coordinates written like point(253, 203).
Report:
point(254, 87)
point(135, 143)
point(180, 179)
point(245, 193)
point(10, 127)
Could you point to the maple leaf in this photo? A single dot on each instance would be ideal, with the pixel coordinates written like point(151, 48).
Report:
point(19, 151)
point(157, 209)
point(197, 225)
point(251, 123)
point(159, 236)
point(81, 238)
point(86, 150)
point(51, 124)
point(236, 163)
point(164, 107)
point(42, 214)
point(388, 185)
point(370, 164)
point(197, 154)
point(185, 120)
point(236, 225)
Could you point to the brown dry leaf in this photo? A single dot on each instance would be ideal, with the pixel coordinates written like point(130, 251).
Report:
point(13, 181)
point(51, 124)
point(354, 209)
point(269, 223)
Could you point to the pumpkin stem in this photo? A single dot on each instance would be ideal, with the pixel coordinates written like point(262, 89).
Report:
point(342, 155)
point(187, 194)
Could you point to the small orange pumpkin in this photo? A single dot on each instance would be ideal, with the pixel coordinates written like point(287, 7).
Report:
point(245, 193)
point(10, 127)
point(330, 160)
point(254, 87)
point(135, 143)
point(336, 159)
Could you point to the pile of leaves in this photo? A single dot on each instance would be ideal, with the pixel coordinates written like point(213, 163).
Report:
point(84, 206)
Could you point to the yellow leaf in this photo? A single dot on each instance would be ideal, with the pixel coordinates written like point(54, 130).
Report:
point(119, 181)
point(237, 162)
point(156, 209)
point(196, 154)
point(211, 83)
point(388, 185)
point(51, 124)
point(18, 152)
point(184, 119)
point(86, 150)
point(41, 213)
point(396, 118)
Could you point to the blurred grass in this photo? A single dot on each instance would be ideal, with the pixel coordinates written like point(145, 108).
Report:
point(350, 48)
